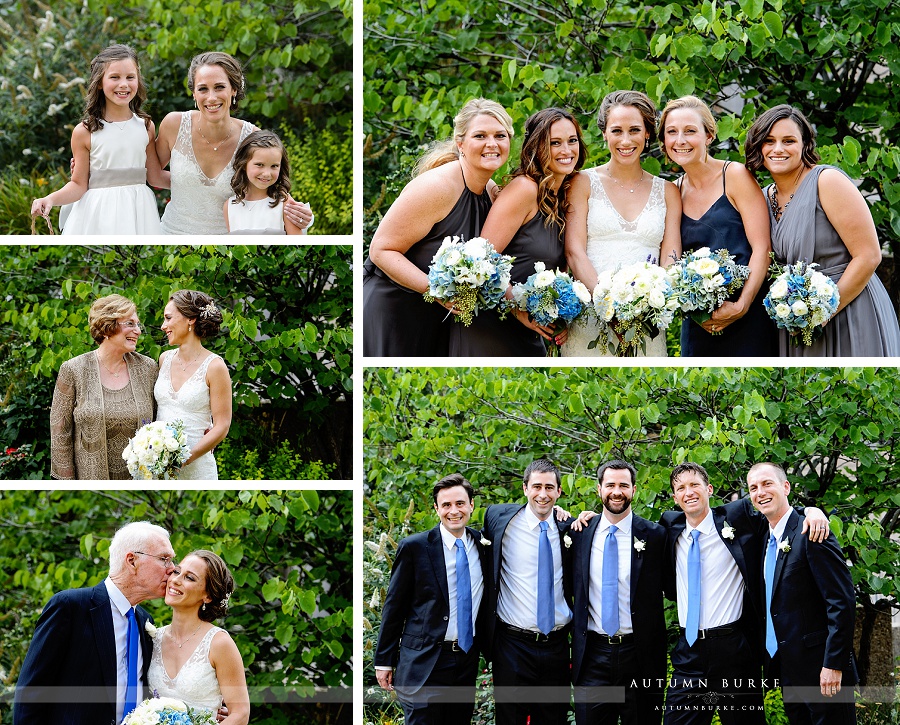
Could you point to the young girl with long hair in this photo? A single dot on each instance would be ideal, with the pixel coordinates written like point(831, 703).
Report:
point(261, 184)
point(114, 154)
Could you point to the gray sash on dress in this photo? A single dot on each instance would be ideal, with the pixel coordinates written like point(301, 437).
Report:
point(107, 178)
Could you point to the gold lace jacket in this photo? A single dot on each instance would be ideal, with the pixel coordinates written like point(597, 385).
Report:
point(77, 417)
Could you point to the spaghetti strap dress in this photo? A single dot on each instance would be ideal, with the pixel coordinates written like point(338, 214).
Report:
point(865, 327)
point(397, 321)
point(754, 335)
point(489, 336)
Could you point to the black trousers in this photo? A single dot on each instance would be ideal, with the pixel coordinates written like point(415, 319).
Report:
point(448, 697)
point(718, 673)
point(804, 704)
point(531, 679)
point(610, 686)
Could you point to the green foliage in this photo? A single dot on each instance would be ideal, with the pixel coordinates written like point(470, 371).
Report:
point(291, 612)
point(322, 174)
point(836, 431)
point(743, 56)
point(287, 336)
point(239, 462)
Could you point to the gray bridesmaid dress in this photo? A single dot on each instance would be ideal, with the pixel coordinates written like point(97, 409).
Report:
point(868, 325)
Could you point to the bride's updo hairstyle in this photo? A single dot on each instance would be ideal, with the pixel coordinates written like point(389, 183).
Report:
point(199, 307)
point(219, 585)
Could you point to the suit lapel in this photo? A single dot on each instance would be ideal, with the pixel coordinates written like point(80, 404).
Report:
point(586, 542)
point(104, 634)
point(638, 531)
point(732, 544)
point(497, 544)
point(436, 555)
point(790, 532)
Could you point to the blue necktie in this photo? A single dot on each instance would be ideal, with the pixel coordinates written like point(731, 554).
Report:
point(693, 612)
point(609, 601)
point(545, 617)
point(463, 598)
point(771, 556)
point(132, 644)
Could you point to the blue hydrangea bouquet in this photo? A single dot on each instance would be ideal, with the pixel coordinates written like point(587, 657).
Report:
point(168, 711)
point(801, 300)
point(703, 280)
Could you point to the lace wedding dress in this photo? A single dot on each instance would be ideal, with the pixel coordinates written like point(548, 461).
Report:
point(613, 241)
point(190, 403)
point(195, 683)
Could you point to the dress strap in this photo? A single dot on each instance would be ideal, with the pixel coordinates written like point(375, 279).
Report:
point(724, 170)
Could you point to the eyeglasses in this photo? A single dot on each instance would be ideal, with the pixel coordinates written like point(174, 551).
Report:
point(129, 325)
point(166, 560)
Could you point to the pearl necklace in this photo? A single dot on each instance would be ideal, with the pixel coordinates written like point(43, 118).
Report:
point(219, 143)
point(172, 635)
point(619, 183)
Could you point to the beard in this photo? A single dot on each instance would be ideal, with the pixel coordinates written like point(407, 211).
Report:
point(616, 506)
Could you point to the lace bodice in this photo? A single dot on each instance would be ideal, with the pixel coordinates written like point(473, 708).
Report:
point(613, 241)
point(191, 405)
point(195, 683)
point(197, 201)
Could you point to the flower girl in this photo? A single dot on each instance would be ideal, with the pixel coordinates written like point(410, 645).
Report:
point(261, 184)
point(115, 155)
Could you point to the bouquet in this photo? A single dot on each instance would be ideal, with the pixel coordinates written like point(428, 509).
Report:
point(167, 711)
point(550, 298)
point(631, 303)
point(801, 300)
point(157, 450)
point(472, 274)
point(703, 281)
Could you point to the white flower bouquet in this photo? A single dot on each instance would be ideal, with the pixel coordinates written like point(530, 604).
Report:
point(168, 711)
point(801, 300)
point(470, 273)
point(157, 450)
point(632, 303)
point(703, 280)
point(551, 298)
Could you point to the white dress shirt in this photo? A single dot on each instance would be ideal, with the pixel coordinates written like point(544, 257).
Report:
point(517, 601)
point(475, 577)
point(120, 606)
point(623, 542)
point(721, 583)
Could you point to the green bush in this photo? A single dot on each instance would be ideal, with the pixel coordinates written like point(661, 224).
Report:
point(241, 462)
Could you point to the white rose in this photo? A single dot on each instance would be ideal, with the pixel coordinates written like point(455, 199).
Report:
point(452, 257)
point(779, 288)
point(544, 279)
point(581, 292)
point(539, 266)
point(475, 248)
point(799, 308)
point(782, 311)
point(704, 267)
point(702, 252)
point(656, 299)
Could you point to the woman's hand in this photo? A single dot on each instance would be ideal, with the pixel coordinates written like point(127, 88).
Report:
point(546, 332)
point(722, 317)
point(41, 206)
point(298, 214)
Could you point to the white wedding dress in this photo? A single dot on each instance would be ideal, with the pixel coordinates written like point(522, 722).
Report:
point(613, 241)
point(195, 683)
point(191, 405)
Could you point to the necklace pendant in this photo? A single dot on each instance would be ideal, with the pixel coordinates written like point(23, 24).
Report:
point(631, 191)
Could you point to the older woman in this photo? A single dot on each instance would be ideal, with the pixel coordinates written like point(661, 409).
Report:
point(818, 215)
point(450, 195)
point(101, 397)
point(200, 146)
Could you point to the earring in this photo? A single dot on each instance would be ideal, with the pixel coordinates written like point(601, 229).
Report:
point(190, 328)
point(203, 608)
point(234, 100)
point(461, 154)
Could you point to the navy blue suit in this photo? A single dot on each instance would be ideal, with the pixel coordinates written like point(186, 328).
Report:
point(74, 648)
point(414, 625)
point(520, 665)
point(617, 665)
point(813, 608)
point(734, 655)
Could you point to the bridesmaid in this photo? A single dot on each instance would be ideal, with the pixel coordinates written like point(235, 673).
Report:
point(449, 195)
point(722, 207)
point(817, 214)
point(527, 222)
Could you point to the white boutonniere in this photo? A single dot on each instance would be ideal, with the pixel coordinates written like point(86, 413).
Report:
point(728, 531)
point(567, 541)
point(485, 541)
point(149, 628)
point(639, 545)
point(784, 547)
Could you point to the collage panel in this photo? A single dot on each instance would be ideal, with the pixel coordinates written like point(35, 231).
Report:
point(481, 455)
point(241, 597)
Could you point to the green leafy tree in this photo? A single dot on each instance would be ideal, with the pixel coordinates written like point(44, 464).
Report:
point(291, 613)
point(286, 338)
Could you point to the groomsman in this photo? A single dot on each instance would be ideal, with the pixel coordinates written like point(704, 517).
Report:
point(618, 628)
point(714, 560)
point(809, 607)
point(430, 626)
point(528, 612)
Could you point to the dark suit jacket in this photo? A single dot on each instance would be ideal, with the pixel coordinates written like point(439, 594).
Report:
point(813, 607)
point(748, 524)
point(496, 519)
point(417, 609)
point(647, 617)
point(74, 647)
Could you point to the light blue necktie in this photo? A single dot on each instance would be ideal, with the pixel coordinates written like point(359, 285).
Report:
point(463, 598)
point(609, 600)
point(131, 652)
point(693, 612)
point(545, 617)
point(771, 556)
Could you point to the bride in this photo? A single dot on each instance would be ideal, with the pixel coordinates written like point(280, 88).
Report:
point(193, 384)
point(205, 662)
point(619, 214)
